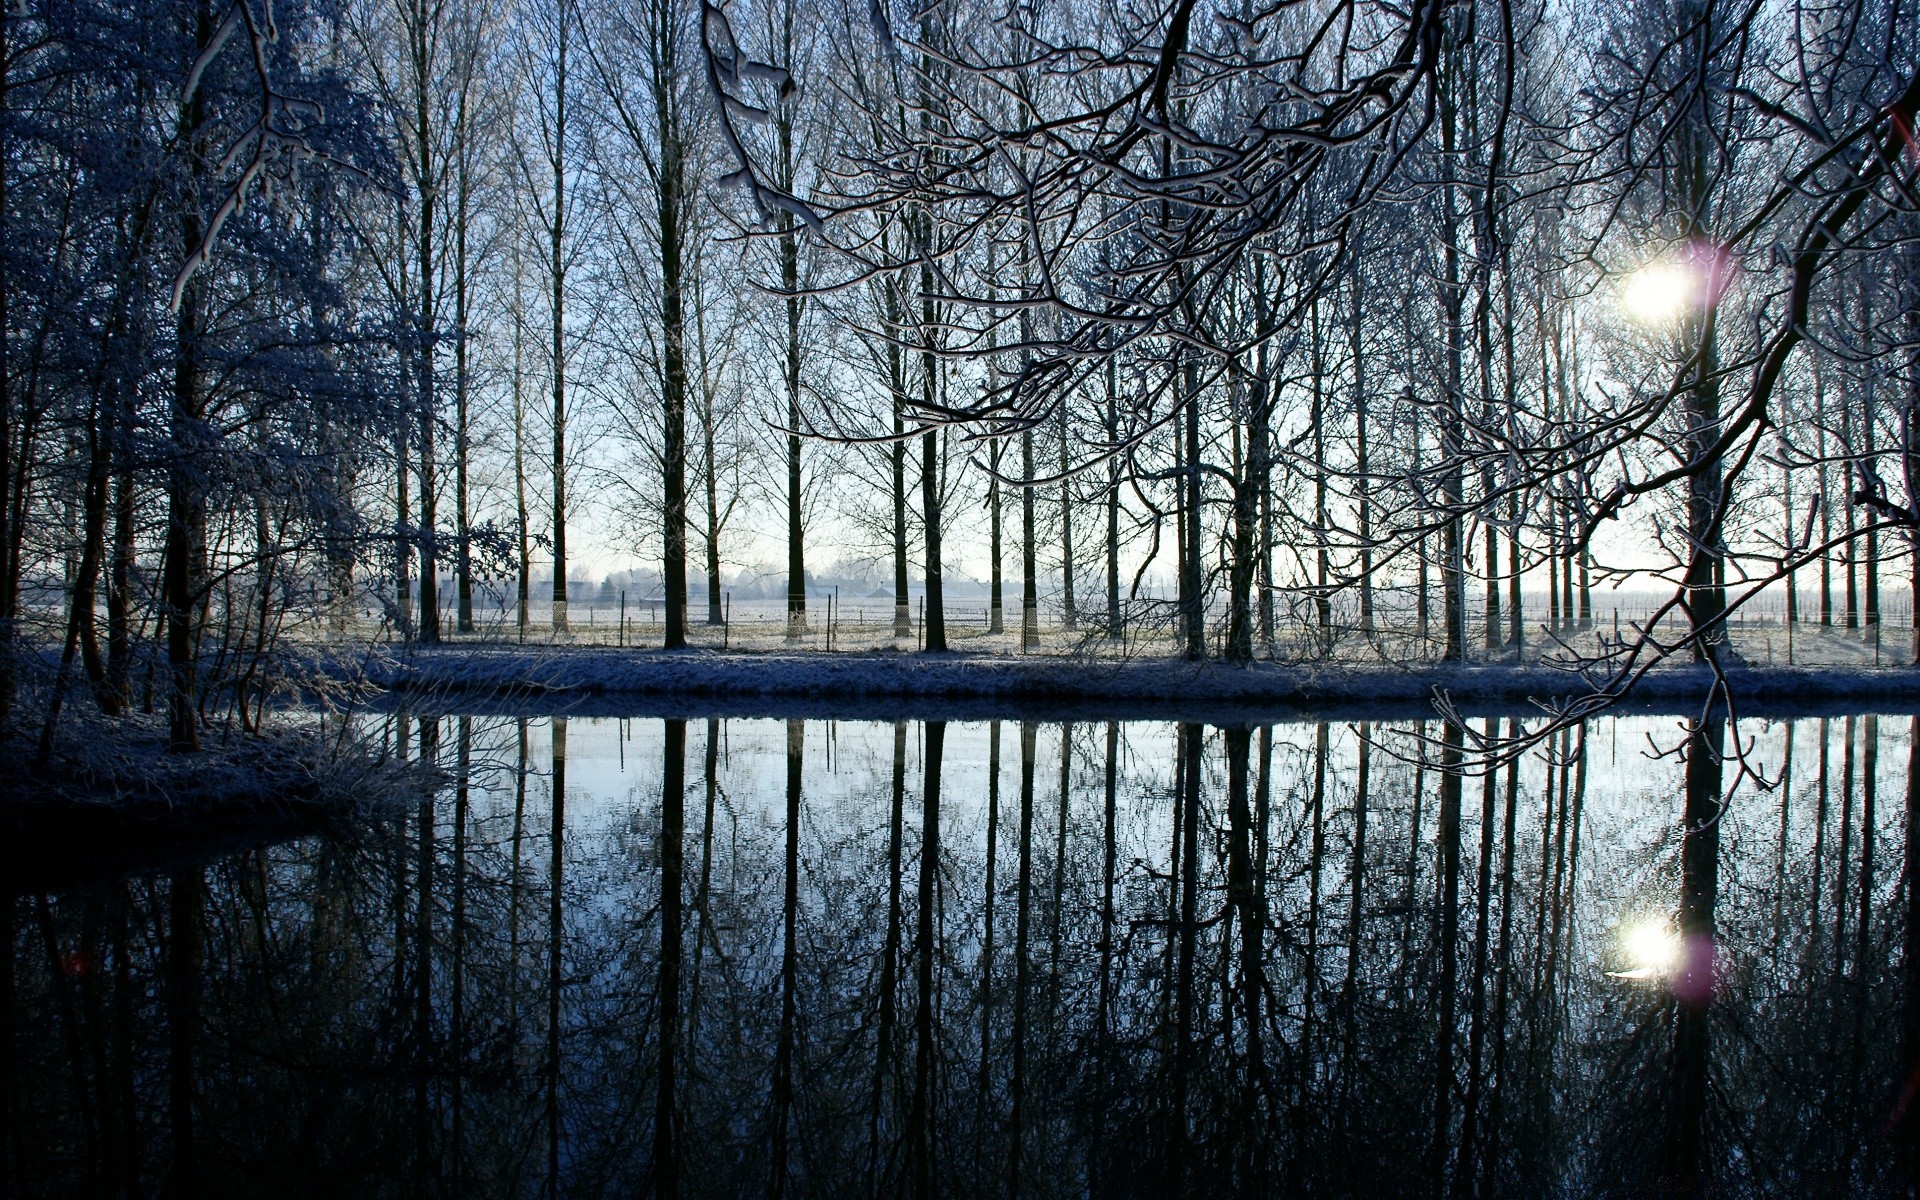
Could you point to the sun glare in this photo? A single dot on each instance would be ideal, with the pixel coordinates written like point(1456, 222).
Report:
point(1658, 292)
point(1651, 949)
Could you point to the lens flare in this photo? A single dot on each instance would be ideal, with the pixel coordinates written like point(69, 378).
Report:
point(1693, 278)
point(1652, 944)
point(1651, 948)
point(1659, 292)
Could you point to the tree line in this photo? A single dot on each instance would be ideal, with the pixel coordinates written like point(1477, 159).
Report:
point(1347, 317)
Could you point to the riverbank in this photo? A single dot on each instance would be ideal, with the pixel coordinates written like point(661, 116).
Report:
point(864, 678)
point(110, 797)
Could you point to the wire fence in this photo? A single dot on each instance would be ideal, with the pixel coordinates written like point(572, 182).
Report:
point(1294, 633)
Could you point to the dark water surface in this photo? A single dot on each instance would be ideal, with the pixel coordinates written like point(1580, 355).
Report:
point(982, 959)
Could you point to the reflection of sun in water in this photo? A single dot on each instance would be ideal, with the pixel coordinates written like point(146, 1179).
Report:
point(1651, 949)
point(1658, 292)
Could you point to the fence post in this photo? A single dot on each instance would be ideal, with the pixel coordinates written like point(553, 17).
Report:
point(623, 618)
point(726, 625)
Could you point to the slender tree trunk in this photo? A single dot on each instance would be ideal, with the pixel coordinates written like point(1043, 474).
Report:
point(672, 196)
point(936, 623)
point(183, 555)
point(1826, 493)
point(1029, 550)
point(1116, 626)
point(930, 471)
point(1452, 439)
point(996, 537)
point(121, 563)
point(524, 552)
point(1317, 427)
point(1362, 450)
point(1869, 433)
point(796, 538)
point(462, 436)
point(557, 280)
point(1193, 601)
point(1248, 488)
point(897, 455)
point(711, 474)
point(1069, 611)
point(11, 464)
point(422, 30)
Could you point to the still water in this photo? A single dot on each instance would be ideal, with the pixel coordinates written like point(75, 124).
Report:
point(732, 957)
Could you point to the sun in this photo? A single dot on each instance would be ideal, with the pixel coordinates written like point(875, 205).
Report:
point(1659, 292)
point(1651, 949)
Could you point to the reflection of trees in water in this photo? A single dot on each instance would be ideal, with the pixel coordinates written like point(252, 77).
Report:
point(1020, 960)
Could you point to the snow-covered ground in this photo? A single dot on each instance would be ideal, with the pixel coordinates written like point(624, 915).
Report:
point(529, 671)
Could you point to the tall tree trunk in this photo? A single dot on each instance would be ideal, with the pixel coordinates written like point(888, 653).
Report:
point(930, 502)
point(557, 281)
point(462, 434)
point(711, 477)
point(1193, 601)
point(1453, 420)
point(1316, 426)
point(522, 539)
point(11, 531)
point(996, 541)
point(1115, 625)
point(183, 555)
point(1248, 488)
point(423, 30)
point(672, 214)
point(796, 541)
point(1362, 450)
point(1029, 550)
point(1069, 612)
point(121, 563)
point(897, 453)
